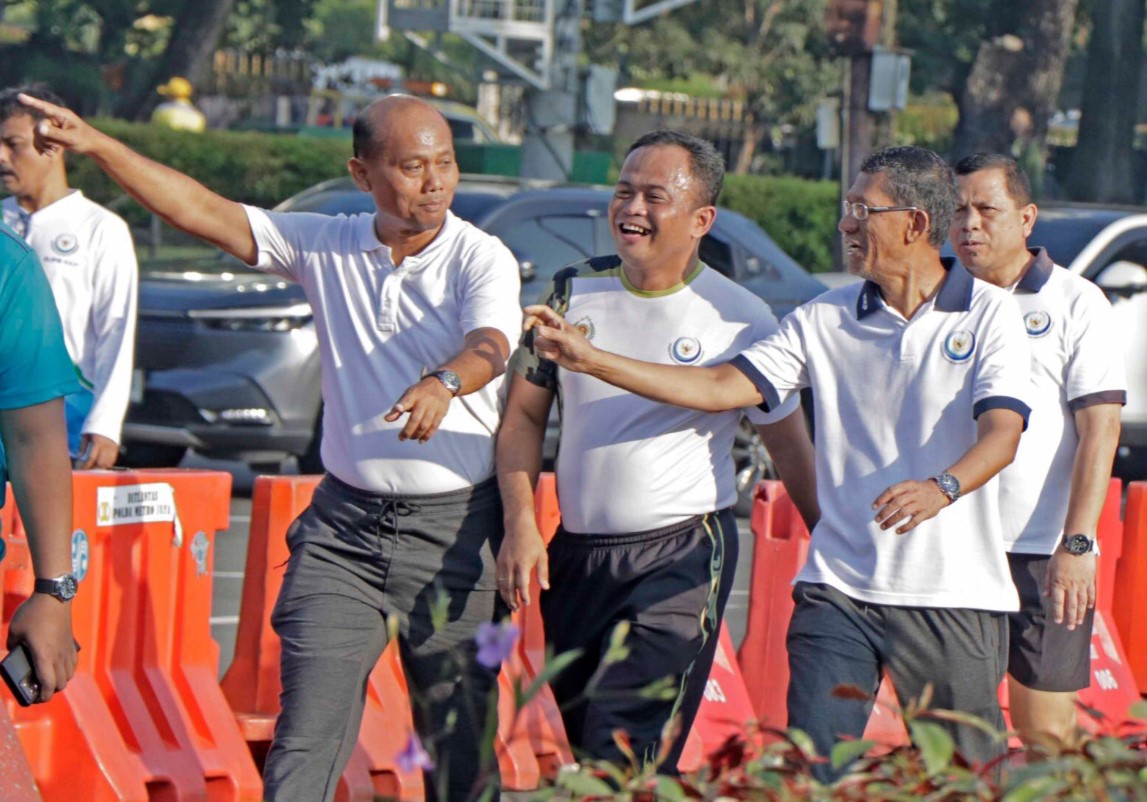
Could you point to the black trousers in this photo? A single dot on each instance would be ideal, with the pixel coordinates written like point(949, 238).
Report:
point(669, 587)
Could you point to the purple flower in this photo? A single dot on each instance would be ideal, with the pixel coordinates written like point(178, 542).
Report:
point(495, 642)
point(413, 756)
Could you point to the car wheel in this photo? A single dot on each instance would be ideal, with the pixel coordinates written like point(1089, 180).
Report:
point(151, 455)
point(311, 461)
point(751, 463)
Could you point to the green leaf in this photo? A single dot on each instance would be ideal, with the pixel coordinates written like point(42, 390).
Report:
point(1138, 710)
point(934, 743)
point(554, 665)
point(669, 789)
point(802, 741)
point(1039, 788)
point(584, 784)
point(617, 650)
point(844, 752)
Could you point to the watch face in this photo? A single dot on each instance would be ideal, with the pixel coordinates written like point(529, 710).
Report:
point(1077, 544)
point(67, 587)
point(451, 379)
point(949, 484)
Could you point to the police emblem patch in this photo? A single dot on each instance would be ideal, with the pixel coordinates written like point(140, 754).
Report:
point(585, 327)
point(1037, 323)
point(65, 244)
point(685, 350)
point(958, 345)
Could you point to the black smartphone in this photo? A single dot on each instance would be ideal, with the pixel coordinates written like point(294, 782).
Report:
point(20, 675)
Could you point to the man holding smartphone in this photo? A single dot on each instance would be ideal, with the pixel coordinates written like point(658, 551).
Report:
point(35, 375)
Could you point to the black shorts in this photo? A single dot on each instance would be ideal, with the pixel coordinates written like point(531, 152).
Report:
point(1044, 655)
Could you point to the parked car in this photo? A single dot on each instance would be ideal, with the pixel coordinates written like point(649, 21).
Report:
point(1108, 244)
point(227, 360)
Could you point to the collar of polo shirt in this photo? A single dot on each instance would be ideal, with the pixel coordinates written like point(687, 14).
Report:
point(368, 239)
point(1038, 274)
point(955, 294)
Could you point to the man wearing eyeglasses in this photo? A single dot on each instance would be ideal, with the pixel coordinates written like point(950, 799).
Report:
point(919, 377)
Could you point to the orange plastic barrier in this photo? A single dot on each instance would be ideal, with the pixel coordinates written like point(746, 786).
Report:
point(726, 708)
point(530, 744)
point(141, 719)
point(780, 545)
point(1130, 614)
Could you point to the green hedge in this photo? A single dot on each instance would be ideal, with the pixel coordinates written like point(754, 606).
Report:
point(255, 168)
point(264, 169)
point(800, 215)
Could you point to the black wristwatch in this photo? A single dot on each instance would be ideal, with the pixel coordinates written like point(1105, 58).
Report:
point(63, 587)
point(949, 485)
point(1078, 544)
point(450, 380)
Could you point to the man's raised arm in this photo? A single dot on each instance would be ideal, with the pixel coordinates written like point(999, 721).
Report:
point(179, 199)
point(711, 389)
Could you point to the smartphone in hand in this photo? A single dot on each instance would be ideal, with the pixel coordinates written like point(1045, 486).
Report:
point(19, 675)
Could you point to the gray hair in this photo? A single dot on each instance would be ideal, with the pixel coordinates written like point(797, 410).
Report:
point(918, 177)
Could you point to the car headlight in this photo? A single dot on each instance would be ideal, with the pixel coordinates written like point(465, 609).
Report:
point(260, 318)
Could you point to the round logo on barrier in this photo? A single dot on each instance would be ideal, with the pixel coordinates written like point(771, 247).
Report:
point(1037, 323)
point(81, 554)
point(959, 345)
point(685, 350)
point(199, 546)
point(65, 244)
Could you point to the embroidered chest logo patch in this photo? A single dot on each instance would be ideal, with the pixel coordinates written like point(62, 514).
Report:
point(585, 328)
point(959, 345)
point(1037, 323)
point(685, 350)
point(65, 244)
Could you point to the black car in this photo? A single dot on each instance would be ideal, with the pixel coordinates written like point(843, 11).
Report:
point(227, 359)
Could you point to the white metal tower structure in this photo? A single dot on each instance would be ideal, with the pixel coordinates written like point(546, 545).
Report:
point(534, 41)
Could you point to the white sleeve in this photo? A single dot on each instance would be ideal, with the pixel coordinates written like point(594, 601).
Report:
point(1003, 364)
point(765, 326)
point(777, 364)
point(1095, 370)
point(115, 281)
point(278, 236)
point(490, 289)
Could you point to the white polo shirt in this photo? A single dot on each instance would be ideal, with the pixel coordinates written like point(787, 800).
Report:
point(1077, 362)
point(381, 328)
point(625, 463)
point(87, 254)
point(898, 399)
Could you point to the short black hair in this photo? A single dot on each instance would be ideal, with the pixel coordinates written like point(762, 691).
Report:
point(918, 177)
point(1019, 185)
point(706, 164)
point(10, 105)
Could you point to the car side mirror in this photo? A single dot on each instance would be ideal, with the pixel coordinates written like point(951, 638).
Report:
point(527, 271)
point(1123, 279)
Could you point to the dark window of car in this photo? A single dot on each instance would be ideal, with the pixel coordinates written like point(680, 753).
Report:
point(549, 243)
point(718, 254)
point(472, 205)
point(1064, 237)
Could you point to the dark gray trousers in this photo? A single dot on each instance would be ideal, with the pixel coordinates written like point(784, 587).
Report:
point(356, 559)
point(835, 640)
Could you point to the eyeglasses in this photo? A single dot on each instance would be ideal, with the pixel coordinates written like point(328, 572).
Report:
point(860, 211)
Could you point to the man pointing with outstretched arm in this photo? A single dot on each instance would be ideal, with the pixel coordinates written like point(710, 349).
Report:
point(919, 377)
point(408, 513)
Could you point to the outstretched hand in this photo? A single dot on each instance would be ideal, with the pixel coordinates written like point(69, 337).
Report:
point(60, 129)
point(557, 340)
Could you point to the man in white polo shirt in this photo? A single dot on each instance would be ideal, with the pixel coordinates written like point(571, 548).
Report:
point(647, 537)
point(407, 521)
point(920, 379)
point(1053, 493)
point(87, 253)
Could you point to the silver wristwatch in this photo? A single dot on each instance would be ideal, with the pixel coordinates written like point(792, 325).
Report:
point(450, 380)
point(949, 485)
point(1078, 544)
point(63, 587)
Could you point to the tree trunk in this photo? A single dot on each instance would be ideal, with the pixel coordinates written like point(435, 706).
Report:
point(1103, 163)
point(198, 26)
point(1023, 67)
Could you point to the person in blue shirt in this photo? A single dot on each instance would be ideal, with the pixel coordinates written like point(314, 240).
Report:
point(35, 375)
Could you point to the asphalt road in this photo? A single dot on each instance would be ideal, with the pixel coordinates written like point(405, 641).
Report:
point(231, 554)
